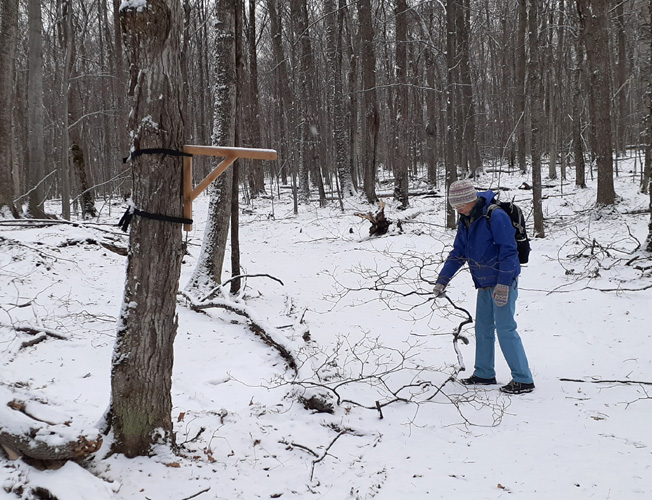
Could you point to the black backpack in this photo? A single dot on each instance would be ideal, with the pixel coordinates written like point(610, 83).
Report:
point(518, 221)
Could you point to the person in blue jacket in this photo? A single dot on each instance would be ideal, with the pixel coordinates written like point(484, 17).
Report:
point(488, 246)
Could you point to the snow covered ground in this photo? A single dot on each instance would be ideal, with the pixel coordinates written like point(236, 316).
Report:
point(583, 313)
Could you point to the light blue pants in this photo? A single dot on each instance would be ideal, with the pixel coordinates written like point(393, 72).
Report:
point(492, 319)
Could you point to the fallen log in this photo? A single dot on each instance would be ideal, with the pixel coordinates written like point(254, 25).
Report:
point(40, 434)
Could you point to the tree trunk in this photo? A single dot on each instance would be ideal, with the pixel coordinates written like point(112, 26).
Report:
point(8, 37)
point(208, 272)
point(371, 120)
point(451, 101)
point(334, 25)
point(255, 170)
point(401, 158)
point(593, 21)
point(578, 141)
point(141, 375)
point(470, 144)
point(35, 119)
point(536, 113)
point(521, 60)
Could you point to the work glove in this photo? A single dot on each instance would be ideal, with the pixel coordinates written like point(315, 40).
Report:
point(501, 294)
point(438, 291)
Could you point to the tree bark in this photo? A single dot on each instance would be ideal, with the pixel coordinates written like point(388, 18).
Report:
point(371, 120)
point(401, 161)
point(536, 112)
point(334, 26)
point(141, 374)
point(451, 104)
point(8, 37)
point(35, 118)
point(208, 271)
point(593, 22)
point(521, 62)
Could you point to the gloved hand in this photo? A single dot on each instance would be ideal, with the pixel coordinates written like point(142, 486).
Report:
point(501, 294)
point(438, 291)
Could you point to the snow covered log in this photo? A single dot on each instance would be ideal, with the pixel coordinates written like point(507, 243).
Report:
point(36, 431)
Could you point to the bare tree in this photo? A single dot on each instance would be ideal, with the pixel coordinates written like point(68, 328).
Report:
point(8, 34)
point(593, 22)
point(334, 27)
point(400, 129)
point(371, 120)
point(35, 118)
point(208, 271)
point(141, 374)
point(536, 112)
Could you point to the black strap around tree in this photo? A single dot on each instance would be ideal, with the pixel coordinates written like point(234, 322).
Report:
point(154, 151)
point(131, 211)
point(129, 214)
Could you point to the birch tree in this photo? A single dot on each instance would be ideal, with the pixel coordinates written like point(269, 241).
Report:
point(141, 374)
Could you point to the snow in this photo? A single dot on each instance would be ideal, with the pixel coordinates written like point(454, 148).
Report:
point(583, 314)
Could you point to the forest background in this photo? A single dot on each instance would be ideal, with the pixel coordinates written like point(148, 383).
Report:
point(361, 100)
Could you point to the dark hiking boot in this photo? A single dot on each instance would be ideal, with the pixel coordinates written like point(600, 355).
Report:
point(517, 388)
point(473, 380)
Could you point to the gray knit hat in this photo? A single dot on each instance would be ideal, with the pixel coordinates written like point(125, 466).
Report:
point(461, 193)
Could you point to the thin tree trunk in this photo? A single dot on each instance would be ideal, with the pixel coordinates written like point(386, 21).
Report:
point(334, 25)
point(35, 118)
point(578, 142)
point(371, 120)
point(8, 37)
point(536, 112)
point(255, 174)
point(593, 19)
point(520, 85)
point(400, 161)
point(208, 271)
point(451, 101)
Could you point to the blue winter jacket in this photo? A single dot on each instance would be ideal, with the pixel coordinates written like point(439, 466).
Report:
point(487, 245)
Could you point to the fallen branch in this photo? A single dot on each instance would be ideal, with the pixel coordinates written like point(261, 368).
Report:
point(31, 330)
point(325, 454)
point(583, 381)
point(256, 325)
point(197, 494)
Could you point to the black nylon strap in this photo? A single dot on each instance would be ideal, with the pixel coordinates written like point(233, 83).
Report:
point(129, 214)
point(154, 151)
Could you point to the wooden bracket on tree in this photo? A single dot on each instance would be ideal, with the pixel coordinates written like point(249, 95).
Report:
point(230, 155)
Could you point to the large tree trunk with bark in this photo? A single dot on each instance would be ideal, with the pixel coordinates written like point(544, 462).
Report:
point(593, 21)
point(141, 375)
point(8, 35)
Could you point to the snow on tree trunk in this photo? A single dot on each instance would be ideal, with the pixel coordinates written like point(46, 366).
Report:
point(141, 374)
point(208, 272)
point(334, 22)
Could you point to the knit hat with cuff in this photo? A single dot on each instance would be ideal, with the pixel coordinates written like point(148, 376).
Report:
point(461, 193)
